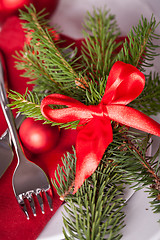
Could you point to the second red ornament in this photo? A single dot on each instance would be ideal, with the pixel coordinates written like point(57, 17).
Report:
point(11, 7)
point(38, 137)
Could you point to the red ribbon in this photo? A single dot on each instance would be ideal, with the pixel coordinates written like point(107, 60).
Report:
point(124, 84)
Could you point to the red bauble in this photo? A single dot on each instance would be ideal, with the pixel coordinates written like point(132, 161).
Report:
point(10, 7)
point(38, 137)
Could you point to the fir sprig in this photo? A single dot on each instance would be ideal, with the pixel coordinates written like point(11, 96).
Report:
point(65, 175)
point(100, 32)
point(29, 105)
point(98, 50)
point(95, 211)
point(129, 152)
point(139, 50)
point(45, 62)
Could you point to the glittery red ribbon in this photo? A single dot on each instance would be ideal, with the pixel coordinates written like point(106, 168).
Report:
point(124, 84)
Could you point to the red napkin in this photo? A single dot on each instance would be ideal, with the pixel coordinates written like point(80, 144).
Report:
point(13, 223)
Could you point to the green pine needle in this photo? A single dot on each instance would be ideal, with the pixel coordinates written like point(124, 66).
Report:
point(129, 151)
point(45, 62)
point(29, 103)
point(139, 50)
point(98, 51)
point(95, 211)
point(100, 32)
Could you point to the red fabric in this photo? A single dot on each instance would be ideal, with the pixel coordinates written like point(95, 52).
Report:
point(124, 84)
point(13, 223)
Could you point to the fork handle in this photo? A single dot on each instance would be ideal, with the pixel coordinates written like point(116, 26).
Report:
point(10, 119)
point(18, 121)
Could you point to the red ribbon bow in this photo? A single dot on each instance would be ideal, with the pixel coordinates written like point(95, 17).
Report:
point(124, 84)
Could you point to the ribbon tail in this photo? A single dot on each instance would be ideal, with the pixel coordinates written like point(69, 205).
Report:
point(91, 144)
point(133, 118)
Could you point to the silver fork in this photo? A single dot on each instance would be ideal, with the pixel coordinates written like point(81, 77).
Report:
point(29, 180)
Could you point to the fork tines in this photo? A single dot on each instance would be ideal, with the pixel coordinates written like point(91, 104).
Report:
point(35, 199)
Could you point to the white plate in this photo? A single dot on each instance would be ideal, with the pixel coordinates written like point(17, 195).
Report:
point(141, 222)
point(53, 230)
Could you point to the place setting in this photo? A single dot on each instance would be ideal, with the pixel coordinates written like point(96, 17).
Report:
point(80, 126)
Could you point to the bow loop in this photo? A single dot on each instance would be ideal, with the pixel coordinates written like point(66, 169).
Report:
point(73, 111)
point(125, 83)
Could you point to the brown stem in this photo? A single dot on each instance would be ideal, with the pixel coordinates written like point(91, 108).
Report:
point(145, 163)
point(142, 49)
point(62, 197)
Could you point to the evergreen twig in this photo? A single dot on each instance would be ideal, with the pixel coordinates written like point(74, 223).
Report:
point(129, 152)
point(139, 50)
point(95, 211)
point(98, 51)
point(44, 61)
point(29, 105)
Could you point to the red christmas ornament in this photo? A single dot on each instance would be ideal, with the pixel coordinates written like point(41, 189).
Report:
point(38, 137)
point(10, 7)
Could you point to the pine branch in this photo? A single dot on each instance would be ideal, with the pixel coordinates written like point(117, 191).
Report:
point(95, 211)
point(100, 33)
point(45, 62)
point(65, 175)
point(29, 105)
point(129, 152)
point(139, 50)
